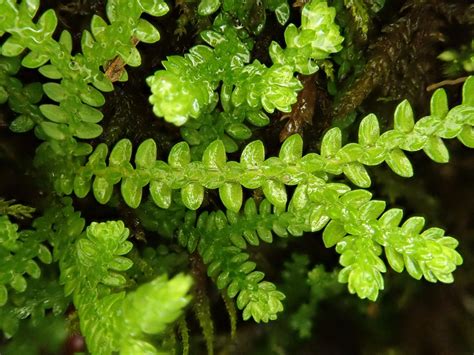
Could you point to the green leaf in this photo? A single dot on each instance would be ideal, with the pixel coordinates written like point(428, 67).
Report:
point(146, 32)
point(192, 195)
point(331, 142)
point(292, 149)
point(50, 71)
point(391, 218)
point(154, 7)
point(436, 150)
point(82, 184)
point(253, 155)
point(259, 118)
point(48, 22)
point(33, 92)
point(53, 130)
point(467, 136)
point(22, 124)
point(369, 130)
point(55, 92)
point(275, 192)
point(231, 196)
point(55, 113)
point(403, 117)
point(44, 254)
point(238, 131)
point(160, 193)
point(89, 114)
point(333, 234)
point(145, 157)
point(179, 156)
point(439, 104)
point(98, 25)
point(468, 92)
point(395, 259)
point(399, 163)
point(208, 7)
point(92, 97)
point(31, 6)
point(102, 189)
point(131, 189)
point(34, 60)
point(18, 283)
point(214, 156)
point(86, 130)
point(121, 153)
point(3, 295)
point(282, 13)
point(66, 41)
point(357, 174)
point(12, 47)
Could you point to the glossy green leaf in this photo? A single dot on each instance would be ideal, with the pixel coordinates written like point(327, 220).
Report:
point(399, 163)
point(146, 32)
point(89, 114)
point(253, 155)
point(436, 150)
point(439, 104)
point(86, 130)
point(282, 13)
point(50, 71)
point(18, 283)
point(154, 7)
point(467, 136)
point(102, 189)
point(55, 92)
point(333, 234)
point(369, 130)
point(55, 113)
point(331, 142)
point(357, 174)
point(160, 193)
point(292, 149)
point(12, 47)
point(179, 156)
point(192, 195)
point(231, 196)
point(208, 7)
point(238, 131)
point(403, 117)
point(146, 154)
point(131, 189)
point(53, 130)
point(121, 153)
point(468, 92)
point(48, 22)
point(214, 156)
point(275, 192)
point(34, 59)
point(22, 124)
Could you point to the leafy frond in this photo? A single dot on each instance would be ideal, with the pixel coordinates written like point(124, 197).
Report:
point(76, 114)
point(92, 266)
point(191, 81)
point(18, 252)
point(9, 207)
point(21, 99)
point(290, 168)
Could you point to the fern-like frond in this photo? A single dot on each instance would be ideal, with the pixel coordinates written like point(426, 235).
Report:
point(191, 81)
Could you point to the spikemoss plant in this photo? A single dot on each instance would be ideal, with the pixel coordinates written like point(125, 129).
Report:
point(120, 293)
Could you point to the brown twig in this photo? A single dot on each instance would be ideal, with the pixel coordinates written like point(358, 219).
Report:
point(446, 82)
point(116, 66)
